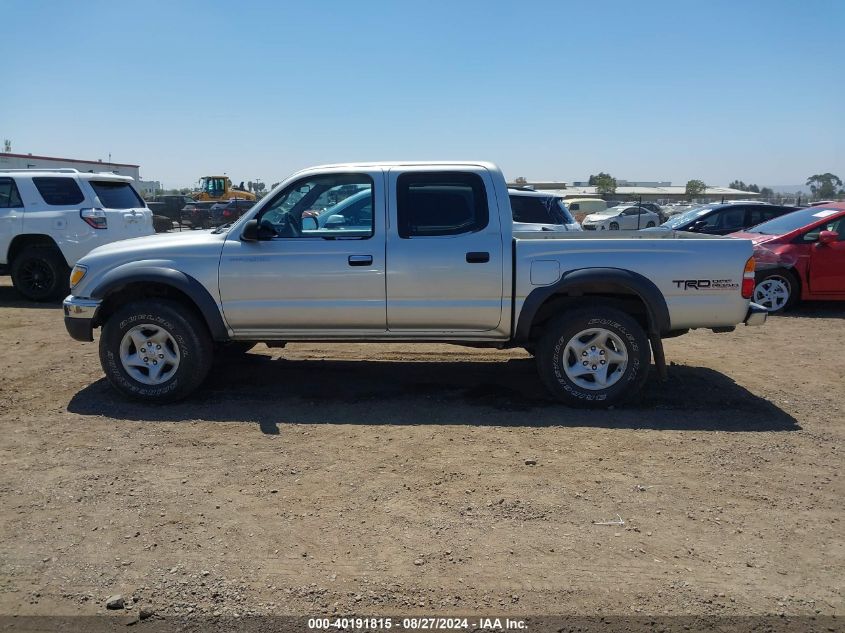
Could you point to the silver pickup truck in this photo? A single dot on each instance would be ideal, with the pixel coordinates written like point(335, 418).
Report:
point(421, 252)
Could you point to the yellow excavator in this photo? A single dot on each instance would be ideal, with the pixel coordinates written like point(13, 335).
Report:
point(220, 188)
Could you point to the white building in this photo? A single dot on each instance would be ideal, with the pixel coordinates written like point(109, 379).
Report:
point(29, 161)
point(147, 187)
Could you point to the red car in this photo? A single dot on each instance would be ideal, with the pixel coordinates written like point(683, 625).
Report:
point(799, 256)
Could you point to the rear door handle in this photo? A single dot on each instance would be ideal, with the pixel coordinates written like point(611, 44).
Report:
point(360, 260)
point(478, 257)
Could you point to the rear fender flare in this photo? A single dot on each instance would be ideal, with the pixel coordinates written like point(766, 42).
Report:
point(587, 279)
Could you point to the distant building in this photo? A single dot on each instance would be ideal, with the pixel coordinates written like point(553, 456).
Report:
point(630, 183)
point(645, 192)
point(147, 187)
point(29, 161)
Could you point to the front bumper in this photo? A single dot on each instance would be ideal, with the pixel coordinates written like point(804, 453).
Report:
point(756, 314)
point(79, 317)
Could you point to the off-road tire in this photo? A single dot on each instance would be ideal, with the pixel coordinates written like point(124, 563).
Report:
point(560, 330)
point(187, 330)
point(40, 273)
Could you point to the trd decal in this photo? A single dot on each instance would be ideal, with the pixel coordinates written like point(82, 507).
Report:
point(706, 284)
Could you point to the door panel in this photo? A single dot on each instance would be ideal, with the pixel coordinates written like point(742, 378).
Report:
point(442, 282)
point(827, 264)
point(296, 284)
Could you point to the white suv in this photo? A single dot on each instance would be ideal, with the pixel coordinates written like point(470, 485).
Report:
point(50, 218)
point(540, 211)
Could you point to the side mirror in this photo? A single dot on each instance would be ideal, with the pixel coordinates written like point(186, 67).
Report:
point(250, 232)
point(698, 225)
point(828, 237)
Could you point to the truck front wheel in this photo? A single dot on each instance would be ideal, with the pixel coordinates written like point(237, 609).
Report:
point(593, 357)
point(155, 350)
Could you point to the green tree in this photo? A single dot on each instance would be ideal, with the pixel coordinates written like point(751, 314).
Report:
point(258, 187)
point(738, 184)
point(695, 188)
point(824, 185)
point(604, 183)
point(765, 192)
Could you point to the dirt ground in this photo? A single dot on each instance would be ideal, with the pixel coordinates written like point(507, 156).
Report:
point(398, 479)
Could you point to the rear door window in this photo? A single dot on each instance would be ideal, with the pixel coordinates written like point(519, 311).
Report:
point(9, 196)
point(440, 203)
point(58, 191)
point(117, 195)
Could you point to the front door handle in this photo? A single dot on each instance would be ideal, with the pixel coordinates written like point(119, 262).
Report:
point(480, 257)
point(360, 260)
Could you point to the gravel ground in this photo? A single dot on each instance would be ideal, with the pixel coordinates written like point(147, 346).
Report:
point(398, 479)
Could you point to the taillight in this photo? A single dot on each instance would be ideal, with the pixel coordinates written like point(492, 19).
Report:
point(748, 279)
point(95, 218)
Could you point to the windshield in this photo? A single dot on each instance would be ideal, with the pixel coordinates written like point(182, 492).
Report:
point(213, 186)
point(792, 221)
point(117, 195)
point(687, 216)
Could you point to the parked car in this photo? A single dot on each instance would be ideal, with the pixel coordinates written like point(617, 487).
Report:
point(621, 218)
point(800, 257)
point(171, 205)
point(197, 213)
point(538, 211)
point(437, 261)
point(653, 207)
point(161, 223)
point(676, 208)
point(579, 208)
point(724, 218)
point(50, 218)
point(223, 212)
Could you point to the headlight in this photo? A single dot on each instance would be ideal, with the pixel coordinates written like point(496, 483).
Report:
point(77, 274)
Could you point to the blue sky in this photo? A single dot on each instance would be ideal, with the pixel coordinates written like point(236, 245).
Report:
point(645, 90)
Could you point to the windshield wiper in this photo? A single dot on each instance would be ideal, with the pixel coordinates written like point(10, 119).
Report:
point(222, 227)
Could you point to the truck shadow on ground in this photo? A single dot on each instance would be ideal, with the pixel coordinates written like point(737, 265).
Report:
point(258, 389)
point(815, 310)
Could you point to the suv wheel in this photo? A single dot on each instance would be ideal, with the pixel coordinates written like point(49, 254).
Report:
point(593, 357)
point(40, 273)
point(155, 350)
point(776, 290)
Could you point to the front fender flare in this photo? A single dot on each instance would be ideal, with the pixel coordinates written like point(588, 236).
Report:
point(119, 278)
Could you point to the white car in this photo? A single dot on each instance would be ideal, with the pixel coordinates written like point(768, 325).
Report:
point(621, 218)
point(50, 218)
point(538, 211)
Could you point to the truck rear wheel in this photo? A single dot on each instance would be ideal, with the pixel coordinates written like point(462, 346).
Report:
point(155, 351)
point(593, 357)
point(40, 273)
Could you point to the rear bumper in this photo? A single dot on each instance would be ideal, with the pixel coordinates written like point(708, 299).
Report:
point(756, 315)
point(79, 317)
